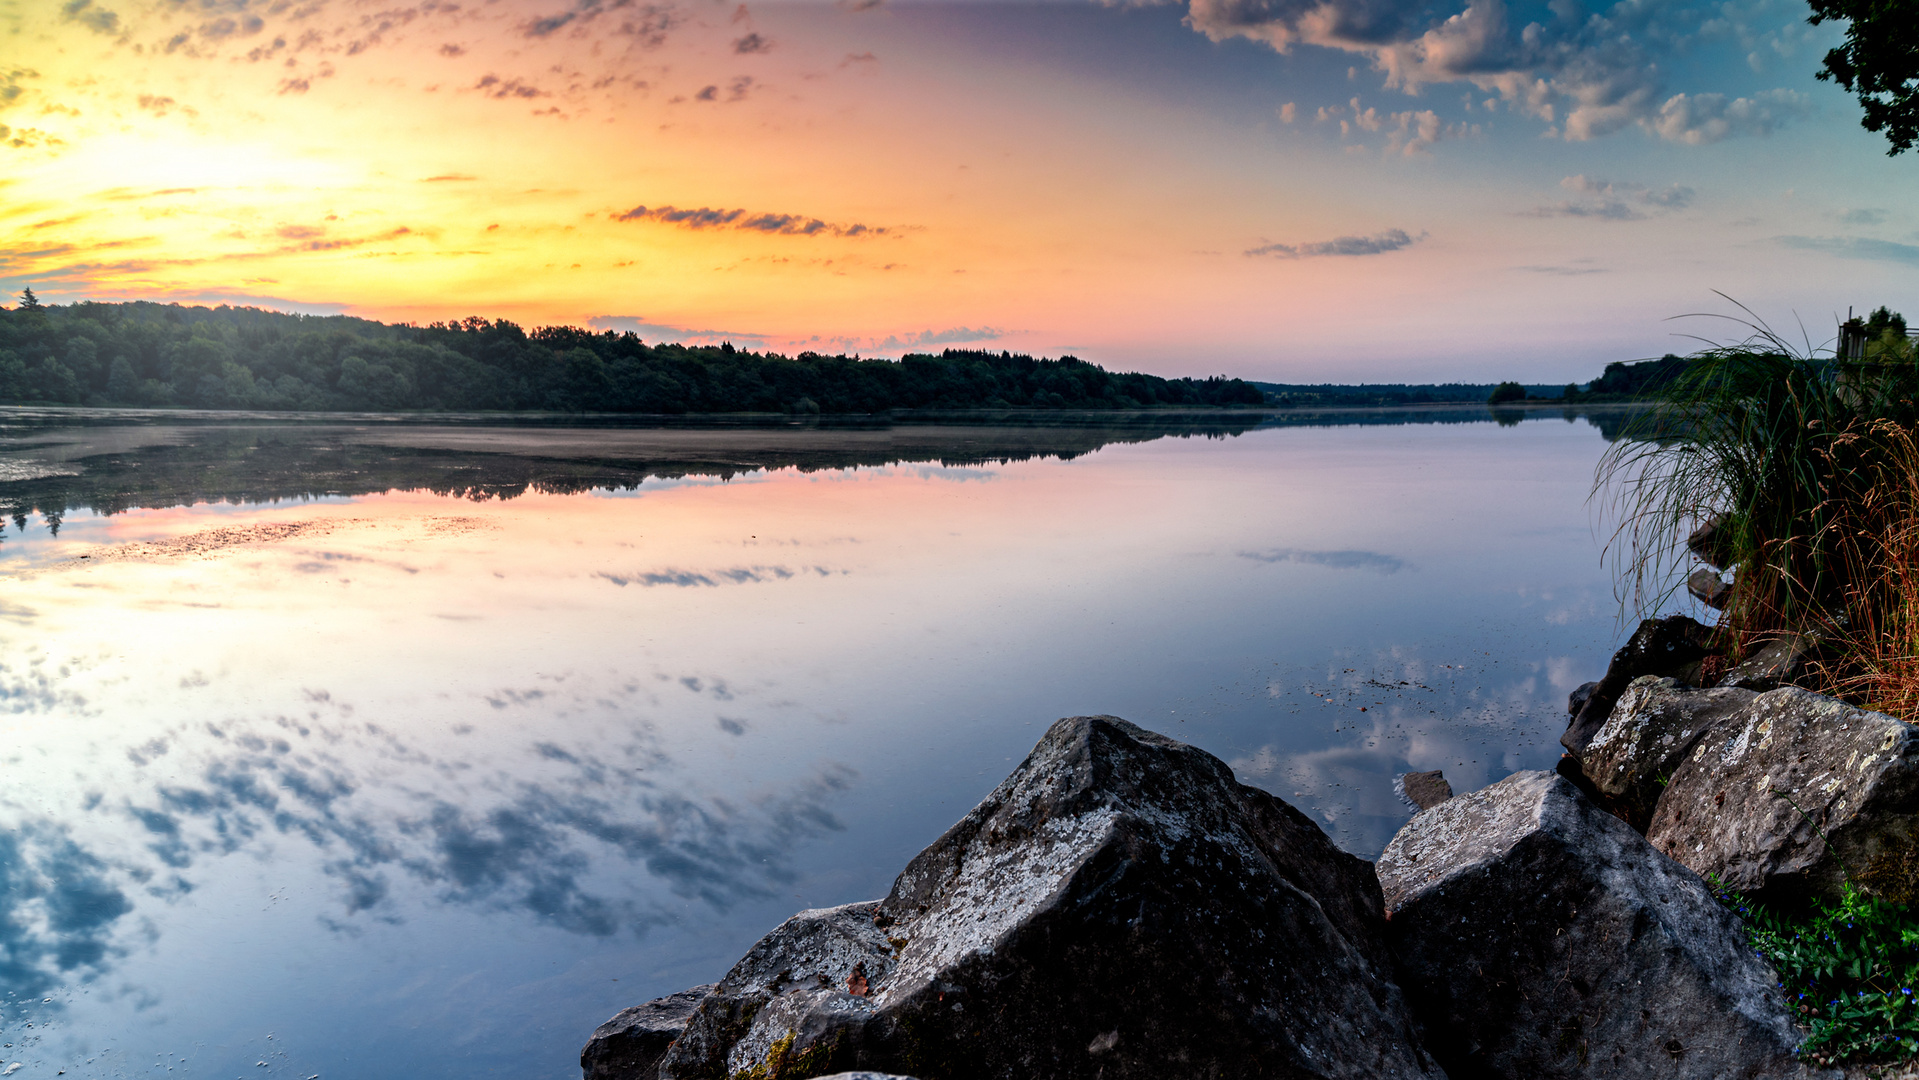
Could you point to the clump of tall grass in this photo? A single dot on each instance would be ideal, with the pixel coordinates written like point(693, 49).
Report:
point(1805, 464)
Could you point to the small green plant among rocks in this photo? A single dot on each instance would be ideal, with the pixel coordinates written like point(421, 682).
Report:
point(1850, 970)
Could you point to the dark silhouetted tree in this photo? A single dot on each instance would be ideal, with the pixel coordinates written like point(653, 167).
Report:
point(1879, 62)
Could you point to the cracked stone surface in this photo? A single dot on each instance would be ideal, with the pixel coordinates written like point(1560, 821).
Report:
point(1119, 907)
point(1539, 937)
point(1750, 801)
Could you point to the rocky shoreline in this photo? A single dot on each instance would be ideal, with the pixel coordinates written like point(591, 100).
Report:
point(1121, 907)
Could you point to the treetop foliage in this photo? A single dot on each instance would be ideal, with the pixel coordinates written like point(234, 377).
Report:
point(153, 355)
point(1878, 62)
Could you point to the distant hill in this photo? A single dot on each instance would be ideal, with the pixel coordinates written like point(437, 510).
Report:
point(146, 355)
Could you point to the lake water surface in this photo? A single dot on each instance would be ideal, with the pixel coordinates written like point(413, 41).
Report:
point(386, 749)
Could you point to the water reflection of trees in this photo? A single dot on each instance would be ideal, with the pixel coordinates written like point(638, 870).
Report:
point(184, 465)
point(273, 463)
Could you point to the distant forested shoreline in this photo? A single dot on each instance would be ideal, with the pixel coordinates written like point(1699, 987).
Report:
point(143, 354)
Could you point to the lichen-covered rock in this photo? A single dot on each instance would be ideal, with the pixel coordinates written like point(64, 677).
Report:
point(1750, 802)
point(1118, 908)
point(1651, 730)
point(630, 1046)
point(1540, 937)
point(1659, 647)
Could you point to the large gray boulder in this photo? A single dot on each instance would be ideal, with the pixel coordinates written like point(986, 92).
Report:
point(1652, 728)
point(1752, 799)
point(1670, 646)
point(1539, 936)
point(1118, 908)
point(630, 1046)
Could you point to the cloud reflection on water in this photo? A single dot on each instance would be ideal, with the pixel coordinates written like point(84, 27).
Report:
point(58, 910)
point(736, 575)
point(590, 838)
point(1337, 560)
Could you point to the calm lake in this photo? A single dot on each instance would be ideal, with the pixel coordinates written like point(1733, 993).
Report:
point(385, 749)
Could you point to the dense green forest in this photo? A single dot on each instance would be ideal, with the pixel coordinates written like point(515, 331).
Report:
point(146, 354)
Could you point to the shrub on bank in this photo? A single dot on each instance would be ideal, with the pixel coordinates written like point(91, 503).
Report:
point(1850, 971)
point(1803, 464)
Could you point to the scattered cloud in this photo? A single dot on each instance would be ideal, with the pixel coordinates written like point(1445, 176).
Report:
point(658, 332)
point(1584, 74)
point(1862, 216)
point(585, 12)
point(1855, 247)
point(1697, 119)
point(157, 105)
point(297, 238)
point(736, 90)
point(1608, 200)
point(752, 43)
point(1288, 113)
point(769, 223)
point(1378, 244)
point(12, 85)
point(956, 335)
point(495, 87)
point(90, 15)
point(1563, 271)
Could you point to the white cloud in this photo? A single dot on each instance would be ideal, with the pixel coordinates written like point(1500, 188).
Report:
point(1584, 75)
point(1696, 119)
point(1608, 200)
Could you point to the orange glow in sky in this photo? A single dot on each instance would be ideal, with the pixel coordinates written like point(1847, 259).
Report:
point(1150, 187)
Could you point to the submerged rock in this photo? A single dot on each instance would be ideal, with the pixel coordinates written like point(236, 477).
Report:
point(1652, 728)
point(1120, 907)
point(1751, 800)
point(1709, 588)
point(1425, 790)
point(1659, 647)
point(630, 1046)
point(1540, 937)
point(1711, 540)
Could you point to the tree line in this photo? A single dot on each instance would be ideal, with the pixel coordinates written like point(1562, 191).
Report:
point(144, 354)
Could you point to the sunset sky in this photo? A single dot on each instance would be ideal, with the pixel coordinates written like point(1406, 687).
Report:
point(1278, 189)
